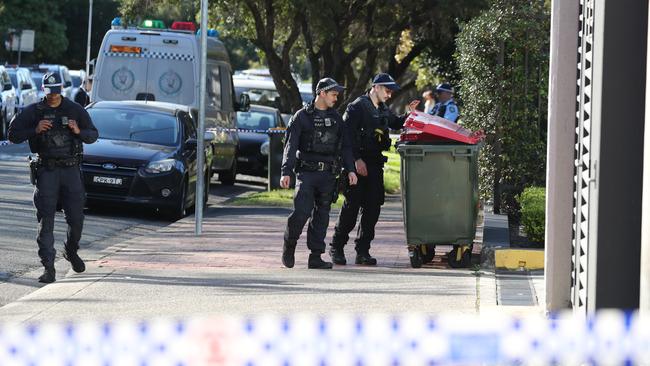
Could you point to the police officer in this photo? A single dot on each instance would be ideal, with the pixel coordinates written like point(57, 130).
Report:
point(367, 120)
point(56, 128)
point(446, 107)
point(314, 144)
point(82, 95)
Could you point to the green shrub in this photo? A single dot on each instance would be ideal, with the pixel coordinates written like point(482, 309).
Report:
point(533, 203)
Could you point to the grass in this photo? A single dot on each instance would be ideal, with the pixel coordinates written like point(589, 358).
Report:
point(275, 198)
point(284, 197)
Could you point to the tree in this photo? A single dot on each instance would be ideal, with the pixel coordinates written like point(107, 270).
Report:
point(349, 40)
point(503, 61)
point(44, 17)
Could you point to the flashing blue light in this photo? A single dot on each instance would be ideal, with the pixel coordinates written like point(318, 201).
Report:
point(211, 32)
point(116, 21)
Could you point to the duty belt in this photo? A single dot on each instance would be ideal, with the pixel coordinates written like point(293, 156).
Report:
point(58, 162)
point(316, 166)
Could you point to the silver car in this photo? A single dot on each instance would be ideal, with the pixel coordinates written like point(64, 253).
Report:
point(7, 102)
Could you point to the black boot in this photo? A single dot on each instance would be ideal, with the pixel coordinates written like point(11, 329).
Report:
point(288, 258)
point(49, 274)
point(315, 262)
point(78, 265)
point(365, 259)
point(338, 256)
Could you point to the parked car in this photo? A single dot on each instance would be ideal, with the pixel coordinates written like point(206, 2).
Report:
point(262, 91)
point(7, 102)
point(146, 154)
point(40, 70)
point(253, 148)
point(26, 92)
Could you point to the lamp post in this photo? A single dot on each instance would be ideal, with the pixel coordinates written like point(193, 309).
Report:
point(90, 24)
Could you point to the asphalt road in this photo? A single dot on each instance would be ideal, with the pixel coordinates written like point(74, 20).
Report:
point(104, 227)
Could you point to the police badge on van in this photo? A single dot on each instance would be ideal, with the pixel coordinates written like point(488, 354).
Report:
point(170, 82)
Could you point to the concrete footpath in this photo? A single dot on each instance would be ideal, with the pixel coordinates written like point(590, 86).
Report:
point(234, 268)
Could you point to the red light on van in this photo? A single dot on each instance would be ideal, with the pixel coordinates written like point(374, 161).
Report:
point(187, 26)
point(125, 49)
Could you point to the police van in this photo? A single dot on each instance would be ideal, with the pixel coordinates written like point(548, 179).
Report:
point(164, 65)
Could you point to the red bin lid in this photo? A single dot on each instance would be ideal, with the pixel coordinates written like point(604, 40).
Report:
point(421, 124)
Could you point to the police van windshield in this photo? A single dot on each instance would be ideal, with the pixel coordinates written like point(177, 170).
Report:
point(134, 125)
point(38, 79)
point(255, 120)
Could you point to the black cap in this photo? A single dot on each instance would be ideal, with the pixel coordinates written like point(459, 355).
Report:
point(385, 80)
point(328, 84)
point(445, 87)
point(52, 83)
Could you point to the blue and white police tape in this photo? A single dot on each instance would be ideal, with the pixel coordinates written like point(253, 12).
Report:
point(270, 130)
point(4, 143)
point(340, 339)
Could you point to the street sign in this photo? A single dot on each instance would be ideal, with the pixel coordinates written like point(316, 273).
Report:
point(16, 42)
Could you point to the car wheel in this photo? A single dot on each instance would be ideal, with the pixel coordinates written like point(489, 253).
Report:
point(227, 177)
point(180, 209)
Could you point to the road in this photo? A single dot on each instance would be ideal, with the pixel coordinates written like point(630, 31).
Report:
point(19, 263)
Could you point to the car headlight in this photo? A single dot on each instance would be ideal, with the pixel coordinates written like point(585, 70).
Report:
point(160, 166)
point(264, 149)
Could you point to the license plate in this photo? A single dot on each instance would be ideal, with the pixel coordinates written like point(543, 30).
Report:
point(107, 180)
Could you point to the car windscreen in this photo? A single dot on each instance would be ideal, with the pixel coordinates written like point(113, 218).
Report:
point(14, 80)
point(76, 81)
point(38, 79)
point(135, 125)
point(255, 120)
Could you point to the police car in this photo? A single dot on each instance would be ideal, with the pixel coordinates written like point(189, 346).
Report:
point(154, 64)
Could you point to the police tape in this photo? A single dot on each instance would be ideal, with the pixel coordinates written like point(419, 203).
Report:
point(341, 339)
point(270, 130)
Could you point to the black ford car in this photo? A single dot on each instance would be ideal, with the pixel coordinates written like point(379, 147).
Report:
point(146, 154)
point(253, 148)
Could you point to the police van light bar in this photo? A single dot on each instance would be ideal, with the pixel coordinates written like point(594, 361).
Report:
point(125, 49)
point(211, 32)
point(154, 24)
point(187, 26)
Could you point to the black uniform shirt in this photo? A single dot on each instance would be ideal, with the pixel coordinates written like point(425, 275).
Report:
point(23, 126)
point(302, 122)
point(362, 113)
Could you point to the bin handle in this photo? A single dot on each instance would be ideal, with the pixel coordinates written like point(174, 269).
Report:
point(461, 155)
point(414, 152)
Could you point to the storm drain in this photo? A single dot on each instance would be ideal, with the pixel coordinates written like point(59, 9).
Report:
point(515, 289)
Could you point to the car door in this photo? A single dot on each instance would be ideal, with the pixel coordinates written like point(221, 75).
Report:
point(189, 152)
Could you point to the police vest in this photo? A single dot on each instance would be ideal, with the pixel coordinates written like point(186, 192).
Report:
point(374, 136)
point(58, 142)
point(440, 109)
point(325, 137)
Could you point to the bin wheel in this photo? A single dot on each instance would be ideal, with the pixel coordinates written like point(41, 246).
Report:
point(465, 259)
point(415, 255)
point(428, 252)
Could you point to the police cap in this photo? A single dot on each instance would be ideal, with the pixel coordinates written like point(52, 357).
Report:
point(385, 80)
point(52, 83)
point(328, 84)
point(445, 87)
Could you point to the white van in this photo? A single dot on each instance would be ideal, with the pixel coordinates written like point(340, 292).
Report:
point(163, 65)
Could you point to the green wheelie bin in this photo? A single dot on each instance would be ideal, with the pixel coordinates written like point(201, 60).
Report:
point(439, 184)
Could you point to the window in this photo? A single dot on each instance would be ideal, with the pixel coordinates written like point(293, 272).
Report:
point(213, 86)
point(255, 120)
point(136, 125)
point(188, 125)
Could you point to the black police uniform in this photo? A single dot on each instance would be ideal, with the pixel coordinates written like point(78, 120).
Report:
point(58, 175)
point(314, 142)
point(368, 127)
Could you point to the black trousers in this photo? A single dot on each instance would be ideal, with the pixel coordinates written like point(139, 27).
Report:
point(312, 200)
point(366, 199)
point(65, 185)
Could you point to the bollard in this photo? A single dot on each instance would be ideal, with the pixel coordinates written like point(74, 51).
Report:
point(276, 147)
